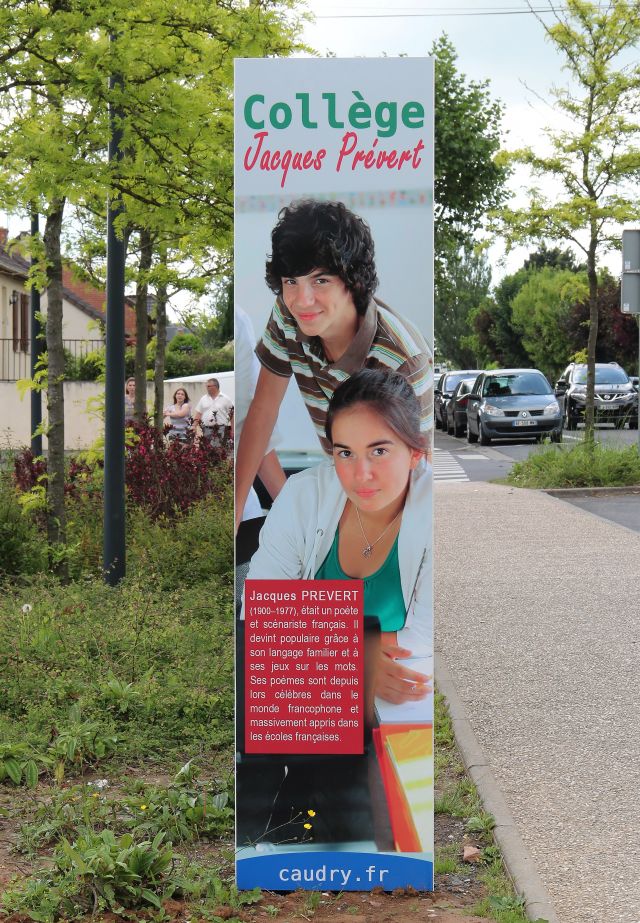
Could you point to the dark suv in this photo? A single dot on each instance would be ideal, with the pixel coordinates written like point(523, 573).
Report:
point(616, 400)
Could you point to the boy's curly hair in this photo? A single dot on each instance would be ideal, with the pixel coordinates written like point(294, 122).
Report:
point(323, 235)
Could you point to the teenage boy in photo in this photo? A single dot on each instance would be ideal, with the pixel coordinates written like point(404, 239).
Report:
point(325, 326)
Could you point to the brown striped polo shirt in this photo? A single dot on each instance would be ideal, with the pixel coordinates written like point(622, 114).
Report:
point(383, 339)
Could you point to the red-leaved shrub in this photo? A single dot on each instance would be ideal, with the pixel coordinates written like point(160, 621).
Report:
point(163, 477)
point(28, 469)
point(167, 478)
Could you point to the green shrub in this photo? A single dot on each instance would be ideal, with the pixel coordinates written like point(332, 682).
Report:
point(78, 644)
point(22, 552)
point(182, 812)
point(195, 548)
point(92, 366)
point(97, 872)
point(583, 465)
point(18, 764)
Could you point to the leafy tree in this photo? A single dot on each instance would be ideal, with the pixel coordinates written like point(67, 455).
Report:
point(50, 142)
point(541, 313)
point(552, 256)
point(469, 179)
point(175, 179)
point(466, 288)
point(617, 332)
point(494, 336)
point(596, 156)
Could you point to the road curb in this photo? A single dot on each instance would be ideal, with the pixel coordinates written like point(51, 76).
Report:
point(590, 491)
point(516, 856)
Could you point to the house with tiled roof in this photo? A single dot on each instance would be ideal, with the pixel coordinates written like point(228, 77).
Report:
point(83, 311)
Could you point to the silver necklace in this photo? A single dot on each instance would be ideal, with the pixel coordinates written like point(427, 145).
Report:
point(368, 548)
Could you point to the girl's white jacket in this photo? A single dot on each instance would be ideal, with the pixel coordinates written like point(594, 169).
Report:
point(301, 526)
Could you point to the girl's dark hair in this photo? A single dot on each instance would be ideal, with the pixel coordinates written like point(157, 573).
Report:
point(386, 392)
point(323, 235)
point(186, 396)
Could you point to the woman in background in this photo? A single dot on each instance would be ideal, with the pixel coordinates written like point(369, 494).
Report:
point(178, 415)
point(129, 400)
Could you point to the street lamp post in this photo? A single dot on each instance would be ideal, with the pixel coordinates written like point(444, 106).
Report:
point(35, 331)
point(114, 554)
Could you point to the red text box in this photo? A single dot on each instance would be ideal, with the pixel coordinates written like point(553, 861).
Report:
point(304, 666)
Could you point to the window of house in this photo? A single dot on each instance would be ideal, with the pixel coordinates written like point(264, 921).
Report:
point(20, 321)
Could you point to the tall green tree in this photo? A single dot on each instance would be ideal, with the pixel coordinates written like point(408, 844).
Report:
point(596, 156)
point(617, 332)
point(469, 178)
point(542, 312)
point(50, 144)
point(495, 339)
point(466, 288)
point(176, 62)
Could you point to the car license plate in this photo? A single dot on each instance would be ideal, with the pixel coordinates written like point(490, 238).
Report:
point(524, 423)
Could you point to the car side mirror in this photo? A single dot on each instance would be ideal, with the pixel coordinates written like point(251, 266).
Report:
point(561, 386)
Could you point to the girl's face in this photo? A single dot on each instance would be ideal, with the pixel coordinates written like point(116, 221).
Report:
point(131, 386)
point(180, 396)
point(372, 462)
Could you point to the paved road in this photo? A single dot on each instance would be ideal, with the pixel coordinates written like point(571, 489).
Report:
point(537, 607)
point(457, 461)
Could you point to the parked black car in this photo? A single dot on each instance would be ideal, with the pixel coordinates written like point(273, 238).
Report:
point(444, 388)
point(456, 411)
point(615, 398)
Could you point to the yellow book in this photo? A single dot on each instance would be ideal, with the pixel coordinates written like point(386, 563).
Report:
point(411, 756)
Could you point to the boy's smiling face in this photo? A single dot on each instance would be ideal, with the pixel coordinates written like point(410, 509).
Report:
point(320, 303)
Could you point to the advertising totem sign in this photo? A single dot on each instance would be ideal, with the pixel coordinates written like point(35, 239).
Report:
point(334, 631)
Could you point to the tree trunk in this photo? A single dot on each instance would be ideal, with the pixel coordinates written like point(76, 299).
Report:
point(142, 332)
point(56, 520)
point(592, 276)
point(161, 342)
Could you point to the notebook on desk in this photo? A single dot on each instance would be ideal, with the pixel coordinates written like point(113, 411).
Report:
point(418, 711)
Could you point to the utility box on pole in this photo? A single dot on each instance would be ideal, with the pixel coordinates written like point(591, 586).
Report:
point(630, 291)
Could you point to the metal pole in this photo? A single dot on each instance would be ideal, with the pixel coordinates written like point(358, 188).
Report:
point(114, 556)
point(36, 351)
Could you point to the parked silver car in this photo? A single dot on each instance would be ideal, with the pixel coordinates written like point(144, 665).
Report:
point(512, 404)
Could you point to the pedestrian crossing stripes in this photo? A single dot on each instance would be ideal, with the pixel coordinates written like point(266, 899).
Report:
point(446, 468)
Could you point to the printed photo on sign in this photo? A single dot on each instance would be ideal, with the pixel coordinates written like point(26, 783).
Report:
point(334, 415)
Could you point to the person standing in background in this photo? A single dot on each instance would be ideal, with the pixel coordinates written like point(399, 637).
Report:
point(129, 400)
point(178, 415)
point(214, 412)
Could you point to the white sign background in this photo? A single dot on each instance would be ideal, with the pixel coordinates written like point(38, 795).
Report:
point(396, 203)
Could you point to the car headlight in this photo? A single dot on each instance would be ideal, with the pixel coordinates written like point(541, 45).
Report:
point(492, 410)
point(552, 409)
point(579, 394)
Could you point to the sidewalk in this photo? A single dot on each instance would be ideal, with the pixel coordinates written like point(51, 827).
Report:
point(538, 621)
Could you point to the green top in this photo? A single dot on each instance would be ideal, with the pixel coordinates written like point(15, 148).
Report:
point(382, 589)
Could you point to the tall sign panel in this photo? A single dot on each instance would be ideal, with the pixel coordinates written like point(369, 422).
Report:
point(334, 651)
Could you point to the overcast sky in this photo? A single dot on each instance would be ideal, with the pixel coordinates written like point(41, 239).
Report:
point(502, 42)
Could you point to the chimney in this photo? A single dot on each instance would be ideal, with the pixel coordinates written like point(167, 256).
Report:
point(4, 234)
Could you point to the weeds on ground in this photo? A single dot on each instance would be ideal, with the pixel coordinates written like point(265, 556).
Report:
point(583, 465)
point(459, 798)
